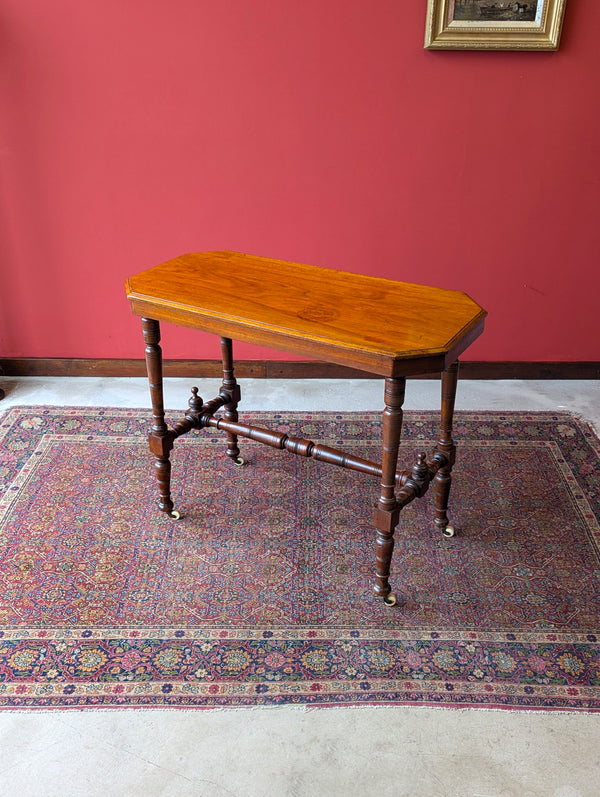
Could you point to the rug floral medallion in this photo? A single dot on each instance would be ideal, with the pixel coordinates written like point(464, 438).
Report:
point(262, 592)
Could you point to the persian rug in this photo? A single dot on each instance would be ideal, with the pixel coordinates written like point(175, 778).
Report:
point(262, 593)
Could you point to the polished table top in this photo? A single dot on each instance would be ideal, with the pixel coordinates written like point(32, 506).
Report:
point(373, 324)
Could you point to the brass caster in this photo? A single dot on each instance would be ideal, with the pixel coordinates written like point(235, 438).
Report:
point(175, 514)
point(239, 461)
point(390, 599)
point(448, 531)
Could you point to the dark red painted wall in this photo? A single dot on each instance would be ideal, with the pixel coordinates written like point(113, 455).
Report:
point(310, 130)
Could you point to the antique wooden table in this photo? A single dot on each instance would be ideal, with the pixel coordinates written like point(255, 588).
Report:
point(391, 329)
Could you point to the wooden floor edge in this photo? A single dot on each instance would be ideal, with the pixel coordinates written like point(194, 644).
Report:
point(281, 369)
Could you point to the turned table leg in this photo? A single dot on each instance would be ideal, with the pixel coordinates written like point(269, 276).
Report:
point(231, 390)
point(160, 437)
point(446, 447)
point(387, 511)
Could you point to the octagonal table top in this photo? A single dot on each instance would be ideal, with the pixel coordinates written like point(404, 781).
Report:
point(373, 324)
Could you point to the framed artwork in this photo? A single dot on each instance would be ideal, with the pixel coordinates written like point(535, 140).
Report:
point(494, 24)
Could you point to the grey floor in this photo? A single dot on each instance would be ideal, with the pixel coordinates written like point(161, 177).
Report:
point(273, 752)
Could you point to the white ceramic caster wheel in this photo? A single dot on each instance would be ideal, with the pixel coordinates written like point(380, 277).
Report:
point(175, 514)
point(239, 461)
point(390, 599)
point(448, 531)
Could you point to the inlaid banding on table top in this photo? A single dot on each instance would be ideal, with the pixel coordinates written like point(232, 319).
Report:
point(295, 306)
point(394, 329)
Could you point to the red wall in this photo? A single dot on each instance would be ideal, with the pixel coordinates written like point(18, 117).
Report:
point(310, 130)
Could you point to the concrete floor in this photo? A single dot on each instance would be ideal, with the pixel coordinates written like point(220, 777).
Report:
point(297, 752)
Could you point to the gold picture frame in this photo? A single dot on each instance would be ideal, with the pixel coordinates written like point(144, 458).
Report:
point(494, 24)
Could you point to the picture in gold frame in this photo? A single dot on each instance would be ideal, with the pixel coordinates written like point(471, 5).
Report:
point(494, 24)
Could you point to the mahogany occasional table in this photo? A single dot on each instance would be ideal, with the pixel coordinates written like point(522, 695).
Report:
point(391, 329)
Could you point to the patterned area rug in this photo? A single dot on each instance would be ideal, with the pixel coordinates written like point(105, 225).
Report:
point(261, 593)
